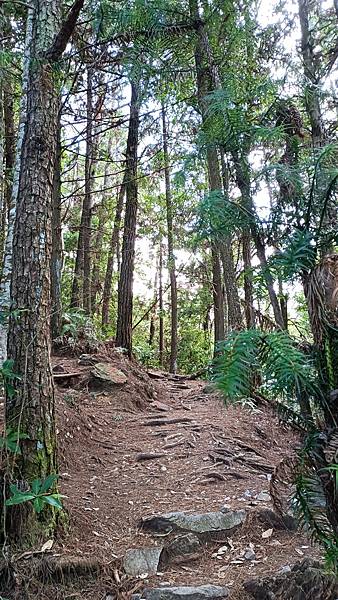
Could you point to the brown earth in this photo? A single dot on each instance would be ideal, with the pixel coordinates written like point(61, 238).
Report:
point(109, 484)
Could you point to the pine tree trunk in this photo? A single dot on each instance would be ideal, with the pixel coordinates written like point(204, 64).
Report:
point(152, 324)
point(113, 253)
point(171, 255)
point(234, 314)
point(248, 285)
point(125, 287)
point(160, 306)
point(30, 409)
point(206, 82)
point(81, 296)
point(99, 236)
point(8, 251)
point(243, 182)
point(57, 245)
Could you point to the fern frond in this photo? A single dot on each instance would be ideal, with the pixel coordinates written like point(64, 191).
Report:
point(237, 363)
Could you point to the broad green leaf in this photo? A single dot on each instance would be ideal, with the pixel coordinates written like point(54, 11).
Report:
point(48, 483)
point(19, 499)
point(53, 500)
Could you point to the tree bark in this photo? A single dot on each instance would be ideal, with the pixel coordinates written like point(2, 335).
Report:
point(5, 283)
point(152, 324)
point(160, 305)
point(243, 182)
point(99, 235)
point(31, 408)
point(312, 77)
point(171, 255)
point(125, 287)
point(234, 314)
point(81, 282)
point(206, 82)
point(57, 245)
point(113, 252)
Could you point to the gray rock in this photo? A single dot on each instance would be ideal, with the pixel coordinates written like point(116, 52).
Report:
point(202, 592)
point(86, 360)
point(305, 581)
point(200, 524)
point(249, 554)
point(264, 497)
point(271, 519)
point(182, 546)
point(142, 560)
point(106, 374)
point(284, 570)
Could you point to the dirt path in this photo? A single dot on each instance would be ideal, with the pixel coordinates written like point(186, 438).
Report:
point(209, 457)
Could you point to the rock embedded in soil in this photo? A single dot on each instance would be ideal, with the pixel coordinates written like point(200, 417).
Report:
point(181, 546)
point(138, 561)
point(264, 497)
point(87, 360)
point(206, 524)
point(305, 581)
point(201, 592)
point(279, 522)
point(249, 554)
point(106, 374)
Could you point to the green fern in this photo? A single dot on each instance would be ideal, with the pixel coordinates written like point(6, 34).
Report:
point(284, 371)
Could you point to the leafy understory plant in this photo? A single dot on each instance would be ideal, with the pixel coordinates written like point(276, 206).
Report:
point(10, 441)
point(38, 494)
point(268, 361)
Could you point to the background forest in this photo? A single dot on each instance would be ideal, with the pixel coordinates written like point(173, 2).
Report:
point(168, 182)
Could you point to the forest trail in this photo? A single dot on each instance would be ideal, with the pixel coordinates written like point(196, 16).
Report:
point(163, 444)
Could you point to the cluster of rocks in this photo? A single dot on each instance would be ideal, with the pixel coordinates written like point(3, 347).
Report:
point(185, 535)
point(189, 533)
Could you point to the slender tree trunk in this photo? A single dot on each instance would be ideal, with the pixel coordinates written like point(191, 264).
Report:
point(248, 285)
point(206, 82)
point(57, 245)
point(311, 91)
point(160, 305)
point(243, 182)
point(81, 282)
point(152, 326)
point(125, 288)
point(98, 240)
point(234, 317)
point(113, 252)
point(3, 209)
point(234, 314)
point(171, 255)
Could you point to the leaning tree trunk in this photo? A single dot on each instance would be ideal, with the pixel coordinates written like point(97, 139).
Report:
point(171, 255)
point(30, 409)
point(125, 287)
